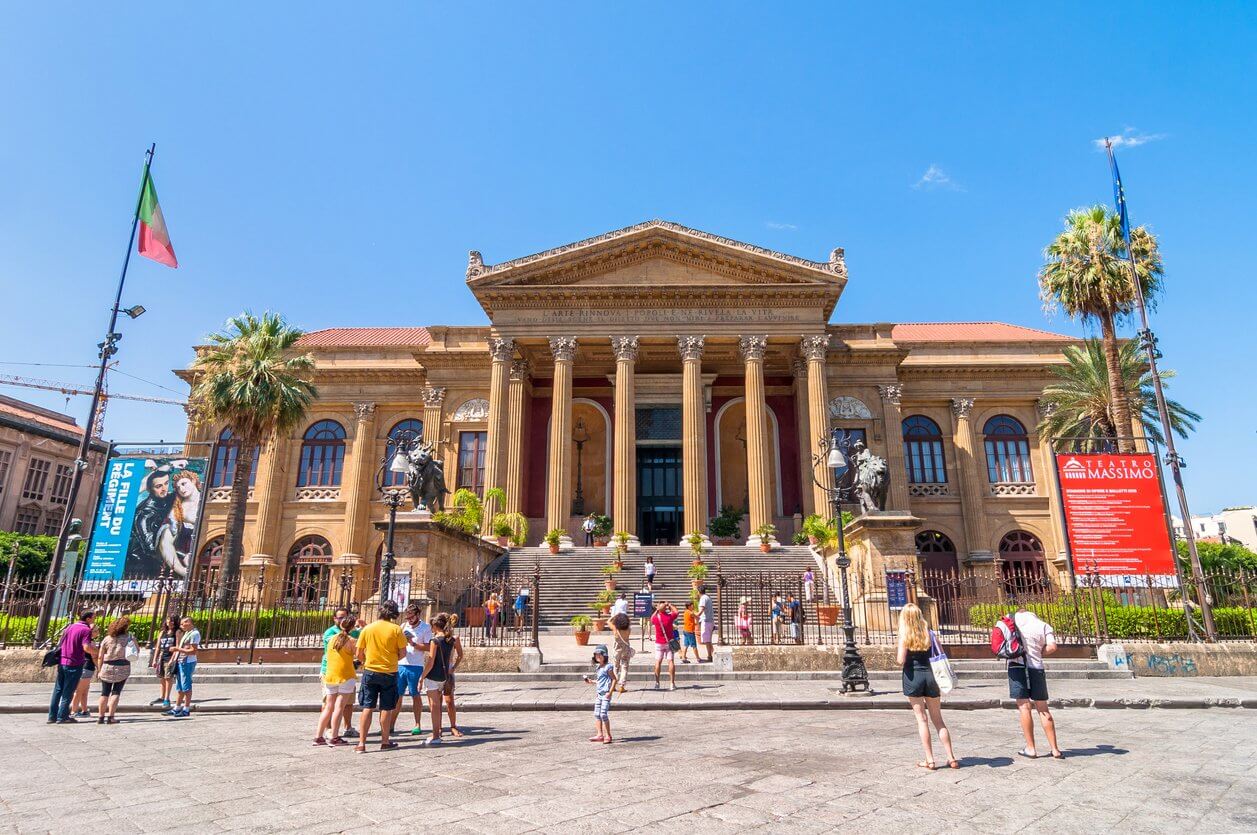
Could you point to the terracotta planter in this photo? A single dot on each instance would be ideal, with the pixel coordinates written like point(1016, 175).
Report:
point(601, 543)
point(504, 541)
point(724, 540)
point(554, 549)
point(600, 625)
point(827, 615)
point(610, 581)
point(766, 547)
point(582, 638)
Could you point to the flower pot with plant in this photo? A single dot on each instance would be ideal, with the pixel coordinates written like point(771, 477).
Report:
point(553, 538)
point(608, 575)
point(580, 628)
point(602, 529)
point(799, 538)
point(814, 528)
point(694, 539)
point(698, 574)
point(766, 534)
point(725, 525)
point(510, 528)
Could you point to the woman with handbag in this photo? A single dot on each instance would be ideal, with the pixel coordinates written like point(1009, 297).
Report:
point(920, 685)
point(117, 652)
point(666, 646)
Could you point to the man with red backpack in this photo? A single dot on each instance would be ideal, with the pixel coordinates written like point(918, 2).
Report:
point(1022, 639)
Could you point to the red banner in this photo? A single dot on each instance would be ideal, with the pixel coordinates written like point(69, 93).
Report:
point(1116, 516)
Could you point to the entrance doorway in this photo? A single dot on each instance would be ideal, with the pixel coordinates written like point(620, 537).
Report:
point(659, 495)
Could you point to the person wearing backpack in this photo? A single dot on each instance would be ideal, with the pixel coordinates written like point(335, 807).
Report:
point(1022, 639)
point(919, 684)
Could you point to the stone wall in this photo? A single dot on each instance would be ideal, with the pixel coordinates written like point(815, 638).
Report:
point(1179, 660)
point(806, 658)
point(24, 665)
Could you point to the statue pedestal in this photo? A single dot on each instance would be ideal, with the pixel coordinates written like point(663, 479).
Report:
point(430, 552)
point(878, 542)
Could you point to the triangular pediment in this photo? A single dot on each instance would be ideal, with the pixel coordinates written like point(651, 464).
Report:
point(656, 254)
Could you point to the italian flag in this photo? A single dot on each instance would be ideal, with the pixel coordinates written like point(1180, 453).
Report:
point(154, 239)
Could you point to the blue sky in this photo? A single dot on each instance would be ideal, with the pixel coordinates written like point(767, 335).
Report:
point(336, 164)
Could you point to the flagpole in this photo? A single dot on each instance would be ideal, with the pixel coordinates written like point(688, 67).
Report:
point(107, 349)
point(1149, 343)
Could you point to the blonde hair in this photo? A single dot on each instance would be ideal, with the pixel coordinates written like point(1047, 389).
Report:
point(914, 634)
point(177, 510)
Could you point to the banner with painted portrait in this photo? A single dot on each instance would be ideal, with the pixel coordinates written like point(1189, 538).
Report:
point(146, 520)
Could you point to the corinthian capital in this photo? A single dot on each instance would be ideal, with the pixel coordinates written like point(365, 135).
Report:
point(520, 370)
point(433, 396)
point(624, 348)
point(363, 411)
point(502, 350)
point(563, 348)
point(691, 347)
point(752, 348)
point(799, 368)
point(814, 347)
point(961, 407)
point(891, 394)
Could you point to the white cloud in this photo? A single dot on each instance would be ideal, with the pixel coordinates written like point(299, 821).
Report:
point(772, 224)
point(1129, 138)
point(935, 178)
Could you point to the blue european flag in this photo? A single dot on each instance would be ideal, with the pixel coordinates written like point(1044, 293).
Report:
point(1119, 196)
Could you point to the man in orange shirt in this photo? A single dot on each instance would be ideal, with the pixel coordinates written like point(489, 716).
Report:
point(689, 625)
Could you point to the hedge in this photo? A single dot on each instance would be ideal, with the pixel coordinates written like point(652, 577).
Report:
point(216, 626)
point(1146, 622)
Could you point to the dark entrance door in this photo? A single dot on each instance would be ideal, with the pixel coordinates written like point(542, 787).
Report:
point(659, 495)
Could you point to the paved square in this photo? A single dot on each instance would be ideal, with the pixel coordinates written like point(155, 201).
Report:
point(801, 771)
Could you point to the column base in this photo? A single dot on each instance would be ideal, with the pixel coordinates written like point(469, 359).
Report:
point(633, 544)
point(980, 557)
point(566, 544)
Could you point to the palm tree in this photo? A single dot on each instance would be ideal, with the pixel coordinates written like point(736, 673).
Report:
point(1088, 277)
point(249, 379)
point(1079, 404)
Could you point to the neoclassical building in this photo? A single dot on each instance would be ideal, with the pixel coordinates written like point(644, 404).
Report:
point(656, 374)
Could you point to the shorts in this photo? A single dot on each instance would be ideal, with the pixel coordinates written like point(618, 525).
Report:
point(342, 689)
point(688, 640)
point(408, 679)
point(1027, 683)
point(602, 708)
point(111, 688)
point(446, 687)
point(704, 631)
point(378, 690)
point(183, 676)
point(663, 652)
point(165, 669)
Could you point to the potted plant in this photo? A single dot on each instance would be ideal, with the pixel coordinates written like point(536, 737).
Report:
point(695, 540)
point(800, 538)
point(617, 554)
point(602, 529)
point(608, 575)
point(503, 532)
point(553, 538)
point(814, 528)
point(698, 574)
point(580, 629)
point(766, 534)
point(724, 526)
point(510, 527)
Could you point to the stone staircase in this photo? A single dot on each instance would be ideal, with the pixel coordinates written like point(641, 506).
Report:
point(571, 580)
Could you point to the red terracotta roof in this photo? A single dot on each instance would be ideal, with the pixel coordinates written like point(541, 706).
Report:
point(35, 414)
point(971, 332)
point(366, 338)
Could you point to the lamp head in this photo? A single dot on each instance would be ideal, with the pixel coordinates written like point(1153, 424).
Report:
point(836, 460)
point(134, 312)
point(400, 464)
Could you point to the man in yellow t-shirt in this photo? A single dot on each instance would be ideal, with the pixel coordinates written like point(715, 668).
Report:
point(380, 646)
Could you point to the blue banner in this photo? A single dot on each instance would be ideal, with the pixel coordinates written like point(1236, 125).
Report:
point(146, 520)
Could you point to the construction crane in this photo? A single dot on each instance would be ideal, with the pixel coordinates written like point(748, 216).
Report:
point(66, 389)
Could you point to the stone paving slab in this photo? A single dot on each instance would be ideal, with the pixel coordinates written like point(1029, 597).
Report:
point(804, 771)
point(524, 696)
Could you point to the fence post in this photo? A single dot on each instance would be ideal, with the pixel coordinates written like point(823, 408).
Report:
point(536, 602)
point(257, 608)
point(1152, 599)
point(720, 612)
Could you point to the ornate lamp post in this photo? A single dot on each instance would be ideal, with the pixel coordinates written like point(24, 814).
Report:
point(396, 462)
point(834, 455)
point(580, 435)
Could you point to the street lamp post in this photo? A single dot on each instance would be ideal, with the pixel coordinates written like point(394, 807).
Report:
point(579, 436)
point(396, 462)
point(833, 455)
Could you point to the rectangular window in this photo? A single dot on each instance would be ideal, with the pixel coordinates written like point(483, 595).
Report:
point(52, 523)
point(471, 447)
point(61, 484)
point(27, 521)
point(36, 479)
point(6, 459)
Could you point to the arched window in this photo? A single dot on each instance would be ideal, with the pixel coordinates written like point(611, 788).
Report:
point(940, 574)
point(322, 455)
point(414, 425)
point(1021, 557)
point(228, 452)
point(923, 451)
point(208, 566)
point(309, 569)
point(1007, 451)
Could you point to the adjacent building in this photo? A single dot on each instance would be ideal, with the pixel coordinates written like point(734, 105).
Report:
point(1232, 524)
point(656, 374)
point(38, 448)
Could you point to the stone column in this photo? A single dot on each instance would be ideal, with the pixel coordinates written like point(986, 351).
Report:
point(624, 503)
point(972, 481)
point(272, 488)
point(693, 434)
point(803, 429)
point(559, 481)
point(433, 397)
point(814, 349)
point(897, 499)
point(358, 490)
point(502, 352)
point(752, 349)
point(519, 396)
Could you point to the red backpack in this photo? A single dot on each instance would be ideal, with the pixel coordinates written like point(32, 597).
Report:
point(1006, 640)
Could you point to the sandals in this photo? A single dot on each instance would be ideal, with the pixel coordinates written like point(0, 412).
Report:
point(928, 765)
point(953, 763)
point(1024, 753)
point(597, 739)
point(1058, 755)
point(456, 732)
point(389, 746)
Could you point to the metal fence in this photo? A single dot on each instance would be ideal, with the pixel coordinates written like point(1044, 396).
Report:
point(774, 609)
point(272, 612)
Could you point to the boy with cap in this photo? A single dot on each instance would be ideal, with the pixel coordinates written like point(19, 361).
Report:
point(604, 682)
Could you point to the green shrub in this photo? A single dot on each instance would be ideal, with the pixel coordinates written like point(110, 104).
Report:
point(33, 557)
point(1122, 622)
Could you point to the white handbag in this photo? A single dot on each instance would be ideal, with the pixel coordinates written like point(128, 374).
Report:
point(132, 651)
point(941, 667)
